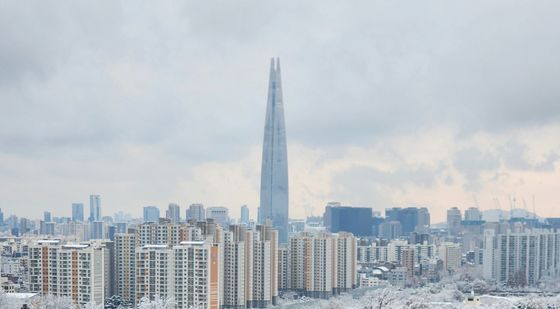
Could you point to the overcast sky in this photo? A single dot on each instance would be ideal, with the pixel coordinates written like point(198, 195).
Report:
point(387, 103)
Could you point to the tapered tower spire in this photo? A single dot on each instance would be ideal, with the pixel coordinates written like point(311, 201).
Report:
point(274, 169)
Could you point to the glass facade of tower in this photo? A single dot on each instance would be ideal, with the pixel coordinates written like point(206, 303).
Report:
point(274, 169)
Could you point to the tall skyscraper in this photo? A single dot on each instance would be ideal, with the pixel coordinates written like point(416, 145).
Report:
point(78, 212)
point(94, 208)
point(47, 216)
point(244, 214)
point(196, 212)
point(274, 170)
point(173, 213)
point(454, 220)
point(151, 214)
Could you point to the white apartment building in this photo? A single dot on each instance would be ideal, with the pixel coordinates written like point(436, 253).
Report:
point(156, 233)
point(451, 254)
point(283, 268)
point(521, 258)
point(73, 270)
point(234, 268)
point(125, 251)
point(322, 264)
point(261, 266)
point(189, 273)
point(154, 272)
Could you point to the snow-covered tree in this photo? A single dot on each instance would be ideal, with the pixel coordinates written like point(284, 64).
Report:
point(91, 305)
point(53, 302)
point(158, 303)
point(116, 302)
point(379, 299)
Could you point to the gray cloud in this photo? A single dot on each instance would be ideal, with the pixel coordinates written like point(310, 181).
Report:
point(88, 83)
point(471, 163)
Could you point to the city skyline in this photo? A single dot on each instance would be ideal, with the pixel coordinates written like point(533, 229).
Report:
point(396, 106)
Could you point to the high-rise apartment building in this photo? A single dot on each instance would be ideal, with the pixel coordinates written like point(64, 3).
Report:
point(161, 233)
point(154, 272)
point(189, 273)
point(234, 295)
point(94, 208)
point(78, 212)
point(322, 264)
point(261, 266)
point(274, 203)
point(523, 258)
point(451, 254)
point(408, 261)
point(283, 267)
point(125, 246)
point(71, 270)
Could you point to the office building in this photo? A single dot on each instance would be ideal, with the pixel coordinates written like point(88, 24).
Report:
point(355, 220)
point(473, 214)
point(454, 221)
point(98, 230)
point(151, 214)
point(78, 212)
point(196, 212)
point(244, 214)
point(94, 208)
point(173, 213)
point(412, 219)
point(274, 202)
point(47, 216)
point(219, 214)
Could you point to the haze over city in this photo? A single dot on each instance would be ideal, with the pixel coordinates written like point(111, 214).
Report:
point(386, 104)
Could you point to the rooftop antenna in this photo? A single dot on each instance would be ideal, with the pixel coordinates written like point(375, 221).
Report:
point(526, 209)
point(475, 201)
point(497, 203)
point(534, 211)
